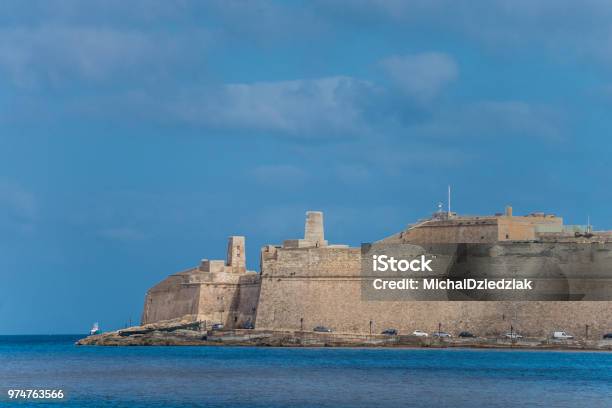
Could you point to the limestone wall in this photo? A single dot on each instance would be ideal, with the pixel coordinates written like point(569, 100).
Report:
point(323, 287)
point(512, 229)
point(306, 283)
point(248, 299)
point(173, 297)
point(217, 291)
point(225, 298)
point(476, 229)
point(451, 232)
point(231, 303)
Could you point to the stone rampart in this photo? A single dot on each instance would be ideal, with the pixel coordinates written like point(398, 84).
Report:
point(217, 291)
point(307, 283)
point(304, 288)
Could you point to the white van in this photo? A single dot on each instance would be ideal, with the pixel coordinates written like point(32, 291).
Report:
point(561, 335)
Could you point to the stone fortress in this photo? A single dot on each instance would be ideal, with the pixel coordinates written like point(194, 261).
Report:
point(308, 282)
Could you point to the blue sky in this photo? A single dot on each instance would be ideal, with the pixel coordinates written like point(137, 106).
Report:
point(135, 137)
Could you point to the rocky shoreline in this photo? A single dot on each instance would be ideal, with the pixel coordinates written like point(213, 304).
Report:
point(190, 333)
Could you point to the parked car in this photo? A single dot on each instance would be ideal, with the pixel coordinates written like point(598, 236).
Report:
point(561, 335)
point(466, 334)
point(441, 334)
point(607, 336)
point(513, 335)
point(322, 329)
point(419, 333)
point(390, 332)
point(248, 325)
point(217, 326)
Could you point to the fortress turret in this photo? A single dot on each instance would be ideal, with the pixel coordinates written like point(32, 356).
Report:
point(313, 229)
point(216, 291)
point(314, 234)
point(236, 254)
point(235, 261)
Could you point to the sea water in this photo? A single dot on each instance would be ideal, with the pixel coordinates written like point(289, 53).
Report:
point(301, 377)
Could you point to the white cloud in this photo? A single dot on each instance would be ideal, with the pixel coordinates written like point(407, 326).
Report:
point(421, 76)
point(63, 53)
point(312, 107)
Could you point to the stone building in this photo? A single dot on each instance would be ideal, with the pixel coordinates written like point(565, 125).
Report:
point(215, 291)
point(308, 282)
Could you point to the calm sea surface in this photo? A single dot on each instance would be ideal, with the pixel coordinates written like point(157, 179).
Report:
point(281, 377)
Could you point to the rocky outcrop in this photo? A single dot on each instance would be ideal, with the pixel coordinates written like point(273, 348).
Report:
point(185, 332)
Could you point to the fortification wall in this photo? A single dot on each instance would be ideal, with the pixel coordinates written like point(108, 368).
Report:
point(475, 229)
point(451, 232)
point(232, 303)
point(247, 299)
point(307, 283)
point(225, 298)
point(323, 287)
point(511, 229)
point(216, 291)
point(173, 297)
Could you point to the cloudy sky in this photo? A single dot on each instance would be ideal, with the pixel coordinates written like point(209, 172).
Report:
point(135, 137)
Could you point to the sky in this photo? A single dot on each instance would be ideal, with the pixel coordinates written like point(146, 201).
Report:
point(135, 137)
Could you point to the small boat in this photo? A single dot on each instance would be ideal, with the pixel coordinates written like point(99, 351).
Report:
point(95, 329)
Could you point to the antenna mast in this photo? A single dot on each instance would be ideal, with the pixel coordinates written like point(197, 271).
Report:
point(589, 224)
point(449, 200)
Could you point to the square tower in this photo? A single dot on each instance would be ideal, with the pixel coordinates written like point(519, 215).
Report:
point(236, 254)
point(313, 229)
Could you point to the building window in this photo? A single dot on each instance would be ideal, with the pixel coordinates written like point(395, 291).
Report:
point(507, 236)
